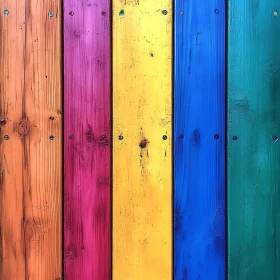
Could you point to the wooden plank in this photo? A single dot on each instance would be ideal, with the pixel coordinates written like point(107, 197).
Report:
point(30, 162)
point(253, 149)
point(142, 139)
point(199, 142)
point(87, 168)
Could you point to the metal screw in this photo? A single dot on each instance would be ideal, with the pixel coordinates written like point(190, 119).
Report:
point(6, 12)
point(71, 137)
point(234, 137)
point(216, 11)
point(164, 12)
point(181, 12)
point(120, 137)
point(121, 14)
point(103, 13)
point(51, 118)
point(51, 137)
point(164, 137)
point(216, 136)
point(71, 13)
point(103, 137)
point(50, 14)
point(275, 138)
point(6, 137)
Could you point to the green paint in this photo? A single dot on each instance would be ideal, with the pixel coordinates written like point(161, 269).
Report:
point(253, 146)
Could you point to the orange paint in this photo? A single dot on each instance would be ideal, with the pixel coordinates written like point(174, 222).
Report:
point(30, 140)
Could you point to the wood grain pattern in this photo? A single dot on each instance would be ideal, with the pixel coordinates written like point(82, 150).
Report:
point(253, 146)
point(30, 163)
point(142, 138)
point(87, 83)
point(199, 128)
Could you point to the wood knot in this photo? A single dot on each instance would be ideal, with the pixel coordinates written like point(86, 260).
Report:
point(23, 128)
point(143, 143)
point(90, 135)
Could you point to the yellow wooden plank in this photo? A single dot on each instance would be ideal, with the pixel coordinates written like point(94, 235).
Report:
point(142, 153)
point(31, 140)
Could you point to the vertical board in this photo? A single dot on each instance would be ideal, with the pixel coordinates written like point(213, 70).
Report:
point(87, 85)
point(31, 150)
point(199, 128)
point(142, 138)
point(253, 131)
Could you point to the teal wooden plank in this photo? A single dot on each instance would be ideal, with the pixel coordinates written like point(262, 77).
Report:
point(253, 146)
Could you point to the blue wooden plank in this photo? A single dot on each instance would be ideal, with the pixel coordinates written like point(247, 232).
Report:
point(199, 135)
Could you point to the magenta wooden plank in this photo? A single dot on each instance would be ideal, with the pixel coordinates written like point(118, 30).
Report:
point(87, 140)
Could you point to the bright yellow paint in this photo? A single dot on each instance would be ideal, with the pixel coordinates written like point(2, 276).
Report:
point(142, 107)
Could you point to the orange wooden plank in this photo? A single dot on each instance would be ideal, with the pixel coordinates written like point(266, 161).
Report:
point(31, 145)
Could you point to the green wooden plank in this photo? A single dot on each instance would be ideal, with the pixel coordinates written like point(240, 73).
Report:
point(253, 146)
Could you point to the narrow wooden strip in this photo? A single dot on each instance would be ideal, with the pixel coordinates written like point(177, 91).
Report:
point(87, 139)
point(30, 140)
point(142, 137)
point(253, 146)
point(199, 128)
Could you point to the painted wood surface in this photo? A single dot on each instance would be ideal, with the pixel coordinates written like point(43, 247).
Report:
point(199, 140)
point(87, 85)
point(142, 139)
point(30, 142)
point(253, 149)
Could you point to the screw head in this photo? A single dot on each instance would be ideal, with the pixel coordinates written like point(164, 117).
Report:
point(71, 13)
point(216, 136)
point(121, 14)
point(164, 137)
point(181, 12)
point(51, 137)
point(216, 11)
point(275, 138)
point(234, 138)
point(164, 12)
point(6, 12)
point(71, 137)
point(6, 137)
point(120, 137)
point(50, 14)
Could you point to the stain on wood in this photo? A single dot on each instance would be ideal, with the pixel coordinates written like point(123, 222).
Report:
point(87, 82)
point(142, 166)
point(253, 149)
point(30, 164)
point(199, 141)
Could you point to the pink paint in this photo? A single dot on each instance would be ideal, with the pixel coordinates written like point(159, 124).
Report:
point(87, 138)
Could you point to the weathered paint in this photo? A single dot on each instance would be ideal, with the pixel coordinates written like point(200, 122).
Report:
point(199, 140)
point(87, 139)
point(142, 138)
point(30, 162)
point(253, 149)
